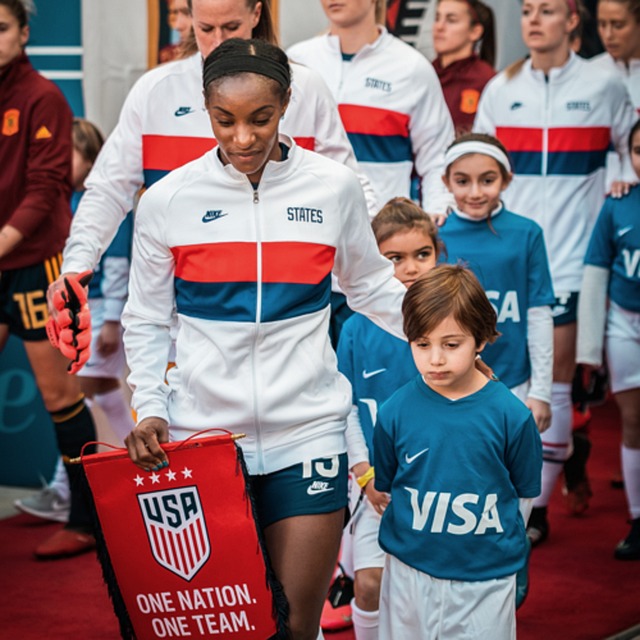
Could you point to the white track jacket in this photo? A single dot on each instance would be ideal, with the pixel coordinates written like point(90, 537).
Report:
point(393, 109)
point(557, 131)
point(164, 124)
point(249, 275)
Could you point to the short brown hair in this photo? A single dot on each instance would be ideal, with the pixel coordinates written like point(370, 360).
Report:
point(449, 290)
point(401, 215)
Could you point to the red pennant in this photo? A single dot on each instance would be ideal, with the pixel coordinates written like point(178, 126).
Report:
point(183, 542)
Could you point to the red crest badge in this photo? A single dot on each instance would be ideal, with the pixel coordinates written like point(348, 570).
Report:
point(11, 122)
point(469, 99)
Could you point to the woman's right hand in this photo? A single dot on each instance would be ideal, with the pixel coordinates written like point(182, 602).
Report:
point(143, 444)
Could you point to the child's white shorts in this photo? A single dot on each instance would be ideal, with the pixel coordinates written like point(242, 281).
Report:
point(415, 605)
point(623, 348)
point(365, 527)
point(99, 366)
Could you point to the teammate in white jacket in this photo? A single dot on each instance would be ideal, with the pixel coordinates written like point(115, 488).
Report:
point(557, 116)
point(163, 124)
point(241, 244)
point(619, 30)
point(390, 101)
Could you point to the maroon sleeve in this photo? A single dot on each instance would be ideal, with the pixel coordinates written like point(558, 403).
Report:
point(48, 170)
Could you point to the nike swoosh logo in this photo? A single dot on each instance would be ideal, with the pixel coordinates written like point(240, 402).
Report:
point(624, 231)
point(409, 459)
point(211, 216)
point(312, 491)
point(183, 111)
point(369, 374)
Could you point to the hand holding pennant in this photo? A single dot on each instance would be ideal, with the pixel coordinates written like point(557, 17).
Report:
point(182, 553)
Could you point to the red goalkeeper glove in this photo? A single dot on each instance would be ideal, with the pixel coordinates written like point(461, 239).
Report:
point(70, 331)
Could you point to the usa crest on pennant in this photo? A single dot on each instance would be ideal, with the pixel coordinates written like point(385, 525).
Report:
point(177, 530)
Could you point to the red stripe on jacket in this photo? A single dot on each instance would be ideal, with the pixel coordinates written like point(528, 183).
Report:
point(559, 138)
point(289, 262)
point(372, 121)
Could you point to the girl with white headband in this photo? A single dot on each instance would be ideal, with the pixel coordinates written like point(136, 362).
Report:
point(506, 251)
point(557, 115)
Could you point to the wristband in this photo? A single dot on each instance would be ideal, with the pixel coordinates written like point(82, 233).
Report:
point(363, 480)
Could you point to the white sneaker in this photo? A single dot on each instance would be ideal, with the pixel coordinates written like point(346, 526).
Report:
point(46, 504)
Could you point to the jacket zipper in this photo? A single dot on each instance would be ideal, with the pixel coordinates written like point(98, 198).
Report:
point(256, 338)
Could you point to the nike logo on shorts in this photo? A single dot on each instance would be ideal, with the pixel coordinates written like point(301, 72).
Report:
point(317, 486)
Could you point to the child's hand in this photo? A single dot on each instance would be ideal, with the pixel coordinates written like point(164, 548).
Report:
point(438, 218)
point(541, 413)
point(378, 499)
point(619, 188)
point(109, 338)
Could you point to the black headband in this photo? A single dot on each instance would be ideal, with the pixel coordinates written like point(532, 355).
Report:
point(245, 63)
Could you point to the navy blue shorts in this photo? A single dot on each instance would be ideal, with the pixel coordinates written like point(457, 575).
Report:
point(23, 298)
point(565, 310)
point(307, 488)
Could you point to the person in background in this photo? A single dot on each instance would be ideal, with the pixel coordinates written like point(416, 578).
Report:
point(35, 189)
point(464, 39)
point(557, 116)
point(179, 20)
point(612, 272)
point(619, 30)
point(389, 98)
point(101, 378)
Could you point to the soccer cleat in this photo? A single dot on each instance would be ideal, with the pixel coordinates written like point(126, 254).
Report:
point(46, 504)
point(629, 548)
point(538, 527)
point(65, 544)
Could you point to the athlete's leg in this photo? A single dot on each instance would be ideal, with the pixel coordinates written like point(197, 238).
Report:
point(303, 551)
point(629, 404)
point(556, 441)
point(109, 395)
point(74, 425)
point(368, 561)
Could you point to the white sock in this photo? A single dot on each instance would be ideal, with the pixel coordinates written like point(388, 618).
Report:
point(365, 623)
point(631, 476)
point(556, 440)
point(117, 411)
point(60, 482)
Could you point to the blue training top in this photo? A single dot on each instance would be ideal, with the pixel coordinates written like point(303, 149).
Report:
point(511, 263)
point(615, 245)
point(456, 470)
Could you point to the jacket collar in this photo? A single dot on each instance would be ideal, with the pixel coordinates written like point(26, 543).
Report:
point(378, 43)
point(273, 171)
point(556, 74)
point(15, 70)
